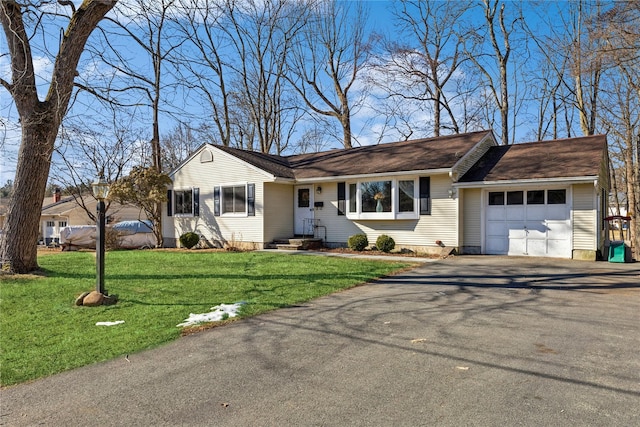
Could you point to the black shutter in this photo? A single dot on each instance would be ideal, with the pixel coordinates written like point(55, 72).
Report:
point(169, 203)
point(341, 198)
point(216, 201)
point(251, 199)
point(196, 202)
point(425, 195)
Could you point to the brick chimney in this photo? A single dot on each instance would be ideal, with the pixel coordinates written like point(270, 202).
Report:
point(57, 195)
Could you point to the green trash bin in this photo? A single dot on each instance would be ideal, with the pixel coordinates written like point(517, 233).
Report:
point(617, 252)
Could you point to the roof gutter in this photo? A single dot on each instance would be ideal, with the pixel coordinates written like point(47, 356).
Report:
point(533, 181)
point(373, 175)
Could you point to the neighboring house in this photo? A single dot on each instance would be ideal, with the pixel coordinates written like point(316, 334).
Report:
point(59, 212)
point(459, 191)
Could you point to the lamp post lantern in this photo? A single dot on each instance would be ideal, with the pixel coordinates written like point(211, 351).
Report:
point(100, 191)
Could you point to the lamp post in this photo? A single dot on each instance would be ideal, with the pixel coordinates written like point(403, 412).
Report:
point(100, 191)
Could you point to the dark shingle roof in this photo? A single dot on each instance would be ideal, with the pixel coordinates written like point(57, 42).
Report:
point(421, 154)
point(561, 158)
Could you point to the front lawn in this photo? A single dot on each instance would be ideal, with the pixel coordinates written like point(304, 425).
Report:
point(42, 332)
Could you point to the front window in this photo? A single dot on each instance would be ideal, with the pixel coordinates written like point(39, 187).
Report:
point(406, 196)
point(375, 196)
point(62, 224)
point(51, 224)
point(353, 198)
point(183, 202)
point(234, 200)
point(384, 199)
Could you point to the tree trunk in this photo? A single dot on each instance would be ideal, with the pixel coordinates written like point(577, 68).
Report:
point(19, 243)
point(40, 123)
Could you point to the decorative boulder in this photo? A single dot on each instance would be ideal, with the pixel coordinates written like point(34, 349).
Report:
point(94, 299)
point(81, 298)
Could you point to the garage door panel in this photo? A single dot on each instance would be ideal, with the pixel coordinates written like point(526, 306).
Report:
point(559, 229)
point(557, 212)
point(537, 247)
point(516, 231)
point(539, 226)
point(559, 248)
point(497, 245)
point(517, 247)
point(515, 213)
point(496, 228)
point(496, 213)
point(536, 213)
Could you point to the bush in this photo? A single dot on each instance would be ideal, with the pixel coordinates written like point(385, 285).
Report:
point(111, 239)
point(358, 242)
point(385, 243)
point(189, 239)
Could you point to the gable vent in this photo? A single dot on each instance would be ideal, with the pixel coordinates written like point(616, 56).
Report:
point(206, 156)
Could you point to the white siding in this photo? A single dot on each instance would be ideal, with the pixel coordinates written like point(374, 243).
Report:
point(422, 232)
point(472, 217)
point(278, 211)
point(220, 230)
point(584, 217)
point(336, 227)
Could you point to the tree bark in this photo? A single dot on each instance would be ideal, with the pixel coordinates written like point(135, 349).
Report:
point(40, 123)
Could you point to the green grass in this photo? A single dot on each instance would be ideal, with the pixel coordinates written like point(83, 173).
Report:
point(42, 332)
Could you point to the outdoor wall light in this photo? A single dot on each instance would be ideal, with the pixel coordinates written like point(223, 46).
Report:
point(452, 193)
point(318, 189)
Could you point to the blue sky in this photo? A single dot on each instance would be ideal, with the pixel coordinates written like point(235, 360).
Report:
point(380, 20)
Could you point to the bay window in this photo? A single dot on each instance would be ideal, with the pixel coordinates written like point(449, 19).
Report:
point(387, 199)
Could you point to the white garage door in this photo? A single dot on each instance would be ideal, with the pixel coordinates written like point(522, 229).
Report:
point(532, 222)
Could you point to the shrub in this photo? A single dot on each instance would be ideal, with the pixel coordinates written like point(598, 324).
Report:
point(189, 239)
point(111, 239)
point(358, 242)
point(385, 243)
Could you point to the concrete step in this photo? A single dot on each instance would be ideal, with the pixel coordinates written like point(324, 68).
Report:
point(295, 244)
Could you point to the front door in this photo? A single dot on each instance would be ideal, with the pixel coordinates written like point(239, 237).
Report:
point(304, 213)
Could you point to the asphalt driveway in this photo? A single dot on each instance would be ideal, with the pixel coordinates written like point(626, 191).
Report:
point(473, 341)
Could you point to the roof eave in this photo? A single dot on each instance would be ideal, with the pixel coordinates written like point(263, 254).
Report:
point(532, 181)
point(372, 175)
point(489, 135)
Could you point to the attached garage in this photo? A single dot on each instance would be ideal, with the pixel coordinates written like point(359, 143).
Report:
point(544, 199)
point(534, 222)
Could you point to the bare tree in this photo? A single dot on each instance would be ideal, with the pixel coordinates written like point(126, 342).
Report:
point(424, 64)
point(88, 148)
point(260, 34)
point(40, 119)
point(329, 54)
point(178, 145)
point(150, 28)
point(205, 67)
point(617, 35)
point(494, 65)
